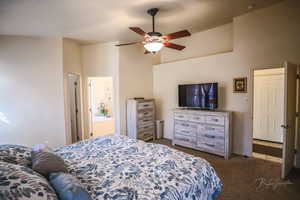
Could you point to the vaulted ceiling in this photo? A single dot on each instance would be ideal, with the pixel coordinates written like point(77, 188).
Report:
point(108, 20)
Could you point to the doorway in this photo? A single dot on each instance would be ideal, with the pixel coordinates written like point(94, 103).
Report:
point(274, 114)
point(101, 108)
point(74, 103)
point(268, 106)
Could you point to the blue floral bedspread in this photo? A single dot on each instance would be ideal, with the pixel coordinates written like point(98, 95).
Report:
point(118, 167)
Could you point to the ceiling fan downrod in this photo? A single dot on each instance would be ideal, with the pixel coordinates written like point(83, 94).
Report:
point(153, 12)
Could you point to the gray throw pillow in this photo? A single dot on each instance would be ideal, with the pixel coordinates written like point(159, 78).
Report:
point(45, 161)
point(68, 187)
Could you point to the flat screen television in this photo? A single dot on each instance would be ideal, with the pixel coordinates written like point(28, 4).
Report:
point(202, 96)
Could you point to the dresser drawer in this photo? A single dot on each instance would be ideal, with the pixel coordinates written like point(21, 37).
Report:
point(209, 136)
point(197, 118)
point(184, 138)
point(181, 116)
point(145, 122)
point(211, 129)
point(185, 125)
point(145, 128)
point(146, 134)
point(192, 132)
point(219, 120)
point(146, 105)
point(145, 114)
point(212, 146)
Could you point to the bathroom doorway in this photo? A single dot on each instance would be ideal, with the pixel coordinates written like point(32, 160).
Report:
point(101, 104)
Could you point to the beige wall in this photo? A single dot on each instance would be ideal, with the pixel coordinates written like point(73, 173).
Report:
point(265, 37)
point(212, 41)
point(31, 85)
point(71, 64)
point(136, 79)
point(100, 60)
point(198, 70)
point(130, 68)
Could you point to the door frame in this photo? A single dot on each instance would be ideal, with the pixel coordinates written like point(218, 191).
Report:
point(251, 96)
point(67, 109)
point(89, 103)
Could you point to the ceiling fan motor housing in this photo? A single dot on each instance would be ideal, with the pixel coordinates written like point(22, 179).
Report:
point(152, 11)
point(155, 34)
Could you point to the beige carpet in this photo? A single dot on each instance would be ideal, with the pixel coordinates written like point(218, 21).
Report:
point(249, 178)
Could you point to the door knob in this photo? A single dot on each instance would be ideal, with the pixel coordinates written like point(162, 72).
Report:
point(284, 126)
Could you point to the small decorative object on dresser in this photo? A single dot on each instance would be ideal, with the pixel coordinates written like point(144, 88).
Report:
point(208, 131)
point(140, 119)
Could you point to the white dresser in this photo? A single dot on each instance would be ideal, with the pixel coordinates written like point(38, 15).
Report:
point(140, 119)
point(207, 131)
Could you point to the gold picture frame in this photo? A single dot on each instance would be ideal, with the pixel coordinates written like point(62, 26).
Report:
point(240, 85)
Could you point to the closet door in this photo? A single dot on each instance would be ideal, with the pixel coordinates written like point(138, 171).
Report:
point(268, 106)
point(275, 108)
point(260, 112)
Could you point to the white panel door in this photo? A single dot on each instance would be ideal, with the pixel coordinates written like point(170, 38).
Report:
point(289, 126)
point(268, 105)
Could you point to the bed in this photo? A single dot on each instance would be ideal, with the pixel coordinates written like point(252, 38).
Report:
point(118, 167)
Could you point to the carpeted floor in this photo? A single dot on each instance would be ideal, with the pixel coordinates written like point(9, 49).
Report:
point(249, 178)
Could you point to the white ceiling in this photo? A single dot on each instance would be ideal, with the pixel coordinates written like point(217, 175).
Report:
point(108, 20)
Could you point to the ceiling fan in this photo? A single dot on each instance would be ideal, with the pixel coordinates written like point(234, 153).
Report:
point(154, 41)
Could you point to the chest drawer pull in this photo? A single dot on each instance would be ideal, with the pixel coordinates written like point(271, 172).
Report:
point(184, 131)
point(209, 136)
point(210, 145)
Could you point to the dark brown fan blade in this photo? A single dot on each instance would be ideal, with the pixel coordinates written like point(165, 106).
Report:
point(147, 52)
point(174, 46)
point(138, 31)
point(130, 43)
point(178, 34)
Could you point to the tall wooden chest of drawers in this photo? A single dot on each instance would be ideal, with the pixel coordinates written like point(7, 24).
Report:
point(206, 131)
point(140, 119)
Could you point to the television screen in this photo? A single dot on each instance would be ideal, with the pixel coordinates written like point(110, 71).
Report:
point(204, 96)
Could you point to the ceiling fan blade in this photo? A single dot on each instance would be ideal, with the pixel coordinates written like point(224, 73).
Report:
point(178, 34)
point(147, 52)
point(174, 46)
point(138, 31)
point(130, 43)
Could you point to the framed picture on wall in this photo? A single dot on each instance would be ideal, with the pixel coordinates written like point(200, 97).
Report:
point(240, 85)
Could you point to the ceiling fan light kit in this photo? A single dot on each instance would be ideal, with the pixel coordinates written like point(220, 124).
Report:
point(155, 41)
